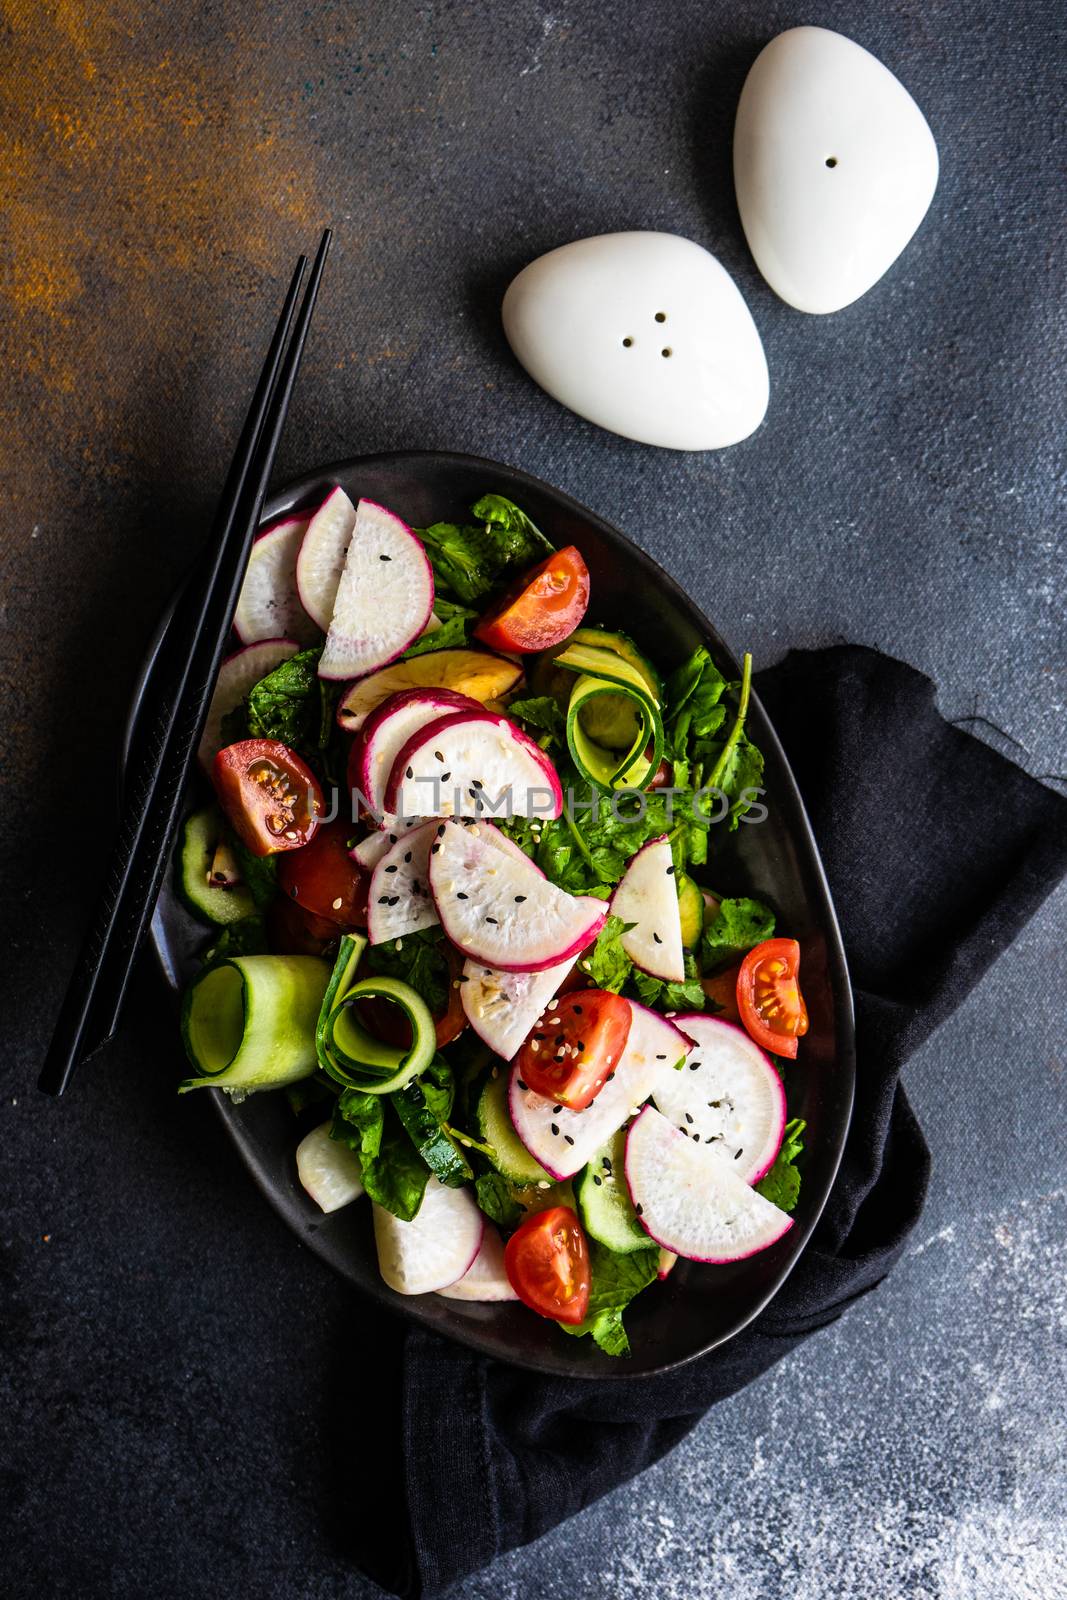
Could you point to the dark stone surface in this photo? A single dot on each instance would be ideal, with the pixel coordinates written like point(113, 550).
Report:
point(161, 170)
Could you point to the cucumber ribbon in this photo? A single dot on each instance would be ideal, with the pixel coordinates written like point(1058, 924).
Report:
point(612, 700)
point(249, 1022)
point(347, 1050)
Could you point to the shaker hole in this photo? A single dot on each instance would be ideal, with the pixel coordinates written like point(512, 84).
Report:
point(627, 342)
point(661, 316)
point(667, 352)
point(831, 161)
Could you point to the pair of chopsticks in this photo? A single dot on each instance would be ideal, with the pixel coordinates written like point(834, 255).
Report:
point(154, 793)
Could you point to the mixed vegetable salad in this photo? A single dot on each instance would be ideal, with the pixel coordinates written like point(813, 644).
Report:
point(460, 867)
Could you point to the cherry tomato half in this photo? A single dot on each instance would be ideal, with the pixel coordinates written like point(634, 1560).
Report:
point(721, 990)
point(323, 879)
point(574, 1048)
point(271, 799)
point(547, 1263)
point(293, 932)
point(387, 1022)
point(768, 996)
point(542, 608)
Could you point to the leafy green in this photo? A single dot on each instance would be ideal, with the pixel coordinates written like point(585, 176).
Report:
point(735, 928)
point(685, 996)
point(287, 703)
point(359, 1121)
point(245, 937)
point(782, 1183)
point(418, 959)
point(607, 964)
point(469, 560)
point(616, 1279)
point(542, 713)
point(710, 750)
point(258, 873)
point(496, 1198)
point(394, 1174)
point(455, 630)
point(693, 695)
point(590, 848)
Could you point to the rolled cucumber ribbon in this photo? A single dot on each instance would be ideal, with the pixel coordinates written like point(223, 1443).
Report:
point(249, 1022)
point(614, 722)
point(347, 1050)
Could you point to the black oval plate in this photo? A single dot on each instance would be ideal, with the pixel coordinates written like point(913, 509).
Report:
point(698, 1307)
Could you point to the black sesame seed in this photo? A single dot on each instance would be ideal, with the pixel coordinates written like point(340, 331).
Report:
point(693, 1065)
point(476, 783)
point(670, 871)
point(556, 1110)
point(607, 1163)
point(696, 1138)
point(445, 777)
point(385, 558)
point(407, 855)
point(610, 1076)
point(662, 1057)
point(520, 1083)
point(555, 1130)
point(392, 838)
point(711, 1138)
point(434, 849)
point(438, 756)
point(441, 830)
point(640, 1210)
point(597, 1181)
point(383, 899)
point(689, 1116)
point(492, 920)
point(561, 1038)
point(657, 938)
point(519, 898)
point(462, 896)
point(577, 1011)
point(395, 901)
point(393, 868)
point(567, 1139)
point(739, 1154)
point(410, 773)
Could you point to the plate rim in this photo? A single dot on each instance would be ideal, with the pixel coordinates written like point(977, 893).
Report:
point(292, 495)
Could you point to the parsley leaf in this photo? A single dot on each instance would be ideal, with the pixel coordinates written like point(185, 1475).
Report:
point(734, 929)
point(607, 964)
point(543, 713)
point(616, 1279)
point(782, 1183)
point(456, 623)
point(685, 996)
point(495, 1197)
point(245, 937)
point(418, 959)
point(470, 560)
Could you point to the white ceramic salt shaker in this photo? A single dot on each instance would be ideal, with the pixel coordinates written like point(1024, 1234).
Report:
point(834, 167)
point(645, 334)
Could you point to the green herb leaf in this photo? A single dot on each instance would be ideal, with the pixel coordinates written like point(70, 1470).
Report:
point(542, 713)
point(455, 630)
point(496, 1198)
point(616, 1279)
point(607, 964)
point(245, 937)
point(394, 1174)
point(685, 996)
point(420, 961)
point(469, 561)
point(287, 703)
point(782, 1183)
point(735, 928)
point(258, 873)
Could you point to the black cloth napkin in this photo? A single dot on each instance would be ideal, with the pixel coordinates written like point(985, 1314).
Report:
point(937, 850)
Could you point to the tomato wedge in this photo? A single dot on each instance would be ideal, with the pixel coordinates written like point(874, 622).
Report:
point(272, 800)
point(768, 996)
point(323, 879)
point(547, 1263)
point(541, 609)
point(570, 1054)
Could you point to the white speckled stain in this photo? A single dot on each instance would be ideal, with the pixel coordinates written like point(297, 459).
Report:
point(949, 1483)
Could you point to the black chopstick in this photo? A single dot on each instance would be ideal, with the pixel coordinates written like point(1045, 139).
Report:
point(155, 789)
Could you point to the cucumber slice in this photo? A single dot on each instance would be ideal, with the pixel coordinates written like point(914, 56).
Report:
point(611, 719)
point(216, 903)
point(690, 911)
point(495, 1126)
point(349, 954)
point(438, 1151)
point(359, 1060)
point(605, 677)
point(249, 1023)
point(604, 1203)
point(623, 646)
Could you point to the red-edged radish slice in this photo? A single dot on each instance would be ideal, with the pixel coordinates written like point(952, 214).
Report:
point(667, 1262)
point(269, 606)
point(328, 1169)
point(502, 1007)
point(473, 763)
point(562, 1140)
point(237, 675)
point(321, 560)
point(369, 851)
point(502, 911)
point(689, 1199)
point(475, 673)
point(647, 896)
point(388, 729)
point(486, 1278)
point(399, 900)
point(383, 600)
point(436, 1248)
point(729, 1094)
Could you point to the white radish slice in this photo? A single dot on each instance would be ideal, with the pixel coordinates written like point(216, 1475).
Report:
point(728, 1095)
point(399, 900)
point(562, 1140)
point(269, 606)
point(502, 1007)
point(237, 675)
point(388, 729)
point(321, 560)
point(369, 851)
point(328, 1170)
point(667, 1262)
point(648, 897)
point(486, 1279)
point(436, 1248)
point(689, 1199)
point(383, 600)
point(501, 911)
point(471, 763)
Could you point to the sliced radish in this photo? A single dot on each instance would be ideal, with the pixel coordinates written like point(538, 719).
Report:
point(501, 911)
point(388, 729)
point(321, 560)
point(269, 605)
point(690, 1200)
point(369, 851)
point(485, 1279)
point(475, 673)
point(563, 1141)
point(436, 1247)
point(502, 1007)
point(470, 763)
point(328, 1170)
point(729, 1094)
point(237, 675)
point(399, 900)
point(667, 1262)
point(648, 897)
point(384, 598)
